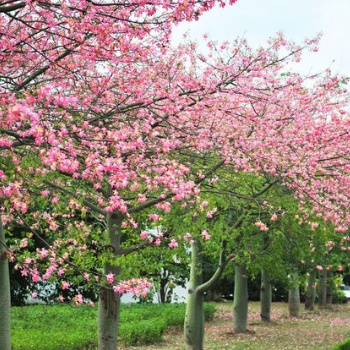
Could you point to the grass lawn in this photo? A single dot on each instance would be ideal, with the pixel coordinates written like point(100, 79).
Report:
point(74, 328)
point(318, 330)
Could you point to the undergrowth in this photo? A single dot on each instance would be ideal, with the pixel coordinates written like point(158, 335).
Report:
point(56, 327)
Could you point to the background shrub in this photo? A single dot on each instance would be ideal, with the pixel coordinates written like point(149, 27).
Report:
point(345, 345)
point(56, 327)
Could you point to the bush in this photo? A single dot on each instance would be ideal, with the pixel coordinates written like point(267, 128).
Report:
point(209, 311)
point(143, 332)
point(339, 296)
point(56, 327)
point(345, 345)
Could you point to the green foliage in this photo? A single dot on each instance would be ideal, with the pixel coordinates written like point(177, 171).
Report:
point(50, 327)
point(55, 327)
point(143, 332)
point(345, 345)
point(339, 297)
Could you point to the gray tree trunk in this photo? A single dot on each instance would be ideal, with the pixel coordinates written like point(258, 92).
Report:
point(240, 302)
point(265, 296)
point(310, 292)
point(109, 302)
point(322, 289)
point(5, 296)
point(194, 318)
point(294, 295)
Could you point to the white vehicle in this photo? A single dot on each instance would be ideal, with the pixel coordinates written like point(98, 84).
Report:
point(346, 290)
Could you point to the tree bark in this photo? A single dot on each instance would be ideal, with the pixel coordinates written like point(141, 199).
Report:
point(265, 296)
point(329, 289)
point(109, 301)
point(240, 302)
point(310, 292)
point(294, 295)
point(5, 295)
point(194, 318)
point(322, 289)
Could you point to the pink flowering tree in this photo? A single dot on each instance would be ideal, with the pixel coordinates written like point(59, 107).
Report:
point(104, 119)
point(68, 69)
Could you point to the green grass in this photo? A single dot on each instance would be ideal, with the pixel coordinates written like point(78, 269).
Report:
point(159, 327)
point(51, 327)
point(44, 327)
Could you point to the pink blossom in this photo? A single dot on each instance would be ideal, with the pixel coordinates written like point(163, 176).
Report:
point(78, 299)
point(110, 278)
point(61, 272)
point(65, 285)
point(144, 234)
point(173, 244)
point(205, 235)
point(261, 225)
point(24, 243)
point(273, 217)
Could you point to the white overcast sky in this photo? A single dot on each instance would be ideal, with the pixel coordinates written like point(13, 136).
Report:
point(258, 20)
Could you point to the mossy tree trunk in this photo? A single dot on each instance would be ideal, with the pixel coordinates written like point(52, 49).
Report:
point(294, 295)
point(5, 296)
point(240, 302)
point(109, 301)
point(310, 294)
point(265, 296)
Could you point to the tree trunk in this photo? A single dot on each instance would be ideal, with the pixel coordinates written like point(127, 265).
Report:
point(162, 289)
point(329, 289)
point(194, 318)
point(240, 302)
point(265, 296)
point(310, 292)
point(109, 302)
point(322, 289)
point(294, 295)
point(5, 295)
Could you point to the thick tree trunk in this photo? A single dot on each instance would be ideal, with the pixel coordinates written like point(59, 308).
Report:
point(194, 318)
point(109, 302)
point(265, 296)
point(294, 295)
point(5, 296)
point(310, 292)
point(329, 289)
point(108, 319)
point(322, 289)
point(240, 302)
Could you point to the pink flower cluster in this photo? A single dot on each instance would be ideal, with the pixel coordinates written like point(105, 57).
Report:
point(135, 286)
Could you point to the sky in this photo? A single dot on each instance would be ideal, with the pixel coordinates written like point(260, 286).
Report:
point(258, 20)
